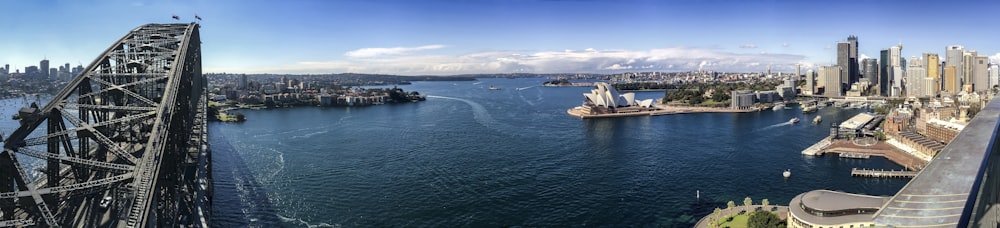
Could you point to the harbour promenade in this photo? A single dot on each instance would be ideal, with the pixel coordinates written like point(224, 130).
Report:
point(853, 150)
point(782, 213)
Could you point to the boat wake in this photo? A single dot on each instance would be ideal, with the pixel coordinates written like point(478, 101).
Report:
point(775, 126)
point(479, 112)
point(298, 221)
point(524, 88)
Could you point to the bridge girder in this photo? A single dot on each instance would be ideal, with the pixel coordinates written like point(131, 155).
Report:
point(121, 128)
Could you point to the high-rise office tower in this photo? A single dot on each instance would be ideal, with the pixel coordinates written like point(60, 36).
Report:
point(847, 60)
point(915, 75)
point(798, 70)
point(951, 79)
point(843, 60)
point(968, 60)
point(897, 69)
point(44, 67)
point(883, 73)
point(810, 83)
point(854, 71)
point(953, 57)
point(980, 78)
point(831, 78)
point(243, 82)
point(932, 63)
point(870, 70)
point(6, 69)
point(994, 72)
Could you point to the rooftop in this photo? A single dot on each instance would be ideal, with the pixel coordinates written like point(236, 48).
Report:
point(858, 121)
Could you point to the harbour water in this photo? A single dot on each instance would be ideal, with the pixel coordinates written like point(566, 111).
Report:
point(474, 157)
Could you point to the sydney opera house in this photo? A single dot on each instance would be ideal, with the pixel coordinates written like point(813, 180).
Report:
point(604, 99)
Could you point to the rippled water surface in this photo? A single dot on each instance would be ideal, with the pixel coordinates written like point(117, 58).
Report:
point(469, 156)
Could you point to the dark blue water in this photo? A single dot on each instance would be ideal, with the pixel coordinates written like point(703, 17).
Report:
point(469, 156)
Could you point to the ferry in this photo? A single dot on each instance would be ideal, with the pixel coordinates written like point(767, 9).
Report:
point(494, 87)
point(794, 120)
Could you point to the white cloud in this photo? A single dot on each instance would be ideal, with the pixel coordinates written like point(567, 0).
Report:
point(376, 52)
point(750, 45)
point(784, 44)
point(863, 57)
point(995, 58)
point(563, 61)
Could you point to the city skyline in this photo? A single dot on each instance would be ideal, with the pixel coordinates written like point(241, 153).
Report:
point(444, 38)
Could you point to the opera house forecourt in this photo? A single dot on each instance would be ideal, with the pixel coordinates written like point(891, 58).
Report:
point(605, 101)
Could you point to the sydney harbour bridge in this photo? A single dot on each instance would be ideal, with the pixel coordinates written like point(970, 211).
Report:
point(122, 145)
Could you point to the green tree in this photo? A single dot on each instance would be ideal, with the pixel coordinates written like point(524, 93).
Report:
point(747, 202)
point(730, 205)
point(763, 219)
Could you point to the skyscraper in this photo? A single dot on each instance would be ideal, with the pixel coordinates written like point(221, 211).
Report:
point(854, 72)
point(932, 63)
point(968, 62)
point(980, 78)
point(831, 77)
point(847, 60)
point(896, 67)
point(810, 83)
point(44, 67)
point(915, 75)
point(953, 57)
point(843, 61)
point(883, 73)
point(870, 70)
point(951, 79)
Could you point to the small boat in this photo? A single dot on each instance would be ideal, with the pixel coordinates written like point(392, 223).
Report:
point(787, 173)
point(778, 106)
point(794, 120)
point(494, 88)
point(818, 119)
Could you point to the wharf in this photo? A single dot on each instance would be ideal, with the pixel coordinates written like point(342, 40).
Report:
point(855, 155)
point(817, 149)
point(883, 173)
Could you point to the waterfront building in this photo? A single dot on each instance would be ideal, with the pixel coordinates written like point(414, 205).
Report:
point(980, 78)
point(943, 131)
point(768, 96)
point(787, 93)
point(831, 80)
point(742, 99)
point(825, 208)
point(897, 121)
point(604, 98)
point(922, 144)
point(843, 61)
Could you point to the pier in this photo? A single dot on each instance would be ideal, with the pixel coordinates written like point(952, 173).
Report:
point(855, 155)
point(883, 173)
point(817, 149)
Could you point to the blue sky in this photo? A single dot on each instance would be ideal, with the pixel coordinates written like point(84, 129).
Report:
point(480, 36)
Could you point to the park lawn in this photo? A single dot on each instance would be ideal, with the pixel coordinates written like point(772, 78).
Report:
point(713, 102)
point(740, 221)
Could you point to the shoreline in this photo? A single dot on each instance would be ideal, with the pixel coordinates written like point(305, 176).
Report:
point(658, 111)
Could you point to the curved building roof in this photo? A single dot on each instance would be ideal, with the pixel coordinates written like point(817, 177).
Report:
point(855, 208)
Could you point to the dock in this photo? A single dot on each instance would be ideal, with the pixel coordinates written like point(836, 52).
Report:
point(855, 155)
point(883, 173)
point(817, 149)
